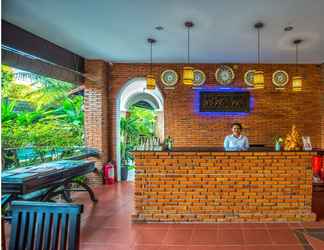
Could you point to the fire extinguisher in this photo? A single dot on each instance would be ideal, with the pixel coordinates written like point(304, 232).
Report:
point(317, 165)
point(108, 173)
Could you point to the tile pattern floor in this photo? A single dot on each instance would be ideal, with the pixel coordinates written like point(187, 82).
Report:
point(108, 226)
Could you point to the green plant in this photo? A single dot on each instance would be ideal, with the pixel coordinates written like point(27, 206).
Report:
point(41, 116)
point(278, 140)
point(139, 124)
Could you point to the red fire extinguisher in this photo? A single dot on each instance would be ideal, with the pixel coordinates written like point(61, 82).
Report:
point(108, 173)
point(317, 165)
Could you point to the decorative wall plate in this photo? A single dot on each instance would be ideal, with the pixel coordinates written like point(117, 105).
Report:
point(248, 78)
point(280, 78)
point(199, 78)
point(169, 77)
point(224, 75)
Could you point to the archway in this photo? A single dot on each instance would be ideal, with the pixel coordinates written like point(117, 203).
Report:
point(134, 93)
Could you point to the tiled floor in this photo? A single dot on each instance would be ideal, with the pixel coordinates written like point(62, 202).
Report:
point(107, 226)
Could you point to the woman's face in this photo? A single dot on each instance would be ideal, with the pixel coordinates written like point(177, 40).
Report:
point(236, 130)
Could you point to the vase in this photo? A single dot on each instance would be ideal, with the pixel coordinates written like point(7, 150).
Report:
point(277, 147)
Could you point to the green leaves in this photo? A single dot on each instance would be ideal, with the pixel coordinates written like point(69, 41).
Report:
point(41, 115)
point(140, 123)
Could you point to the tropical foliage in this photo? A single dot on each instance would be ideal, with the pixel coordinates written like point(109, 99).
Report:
point(138, 124)
point(39, 115)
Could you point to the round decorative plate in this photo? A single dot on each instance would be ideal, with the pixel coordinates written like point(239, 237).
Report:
point(224, 75)
point(280, 78)
point(248, 78)
point(199, 77)
point(169, 77)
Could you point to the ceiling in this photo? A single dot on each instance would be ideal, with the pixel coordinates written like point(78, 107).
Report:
point(117, 30)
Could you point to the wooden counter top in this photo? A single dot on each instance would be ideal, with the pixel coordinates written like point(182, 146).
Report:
point(220, 149)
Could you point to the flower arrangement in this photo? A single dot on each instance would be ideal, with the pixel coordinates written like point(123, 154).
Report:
point(278, 140)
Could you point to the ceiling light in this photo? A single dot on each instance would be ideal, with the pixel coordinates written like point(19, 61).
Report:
point(188, 74)
point(297, 80)
point(258, 77)
point(150, 78)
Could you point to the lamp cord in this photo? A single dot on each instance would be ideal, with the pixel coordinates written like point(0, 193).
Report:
point(296, 59)
point(151, 59)
point(258, 46)
point(188, 52)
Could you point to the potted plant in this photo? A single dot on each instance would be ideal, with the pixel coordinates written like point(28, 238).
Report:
point(126, 159)
point(278, 142)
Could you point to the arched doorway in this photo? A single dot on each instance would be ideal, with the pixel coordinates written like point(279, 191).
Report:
point(134, 93)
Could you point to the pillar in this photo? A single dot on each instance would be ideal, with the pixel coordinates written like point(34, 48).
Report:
point(96, 112)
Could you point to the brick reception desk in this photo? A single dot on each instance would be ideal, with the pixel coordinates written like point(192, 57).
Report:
point(184, 186)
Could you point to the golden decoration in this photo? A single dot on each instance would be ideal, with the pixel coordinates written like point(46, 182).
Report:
point(293, 141)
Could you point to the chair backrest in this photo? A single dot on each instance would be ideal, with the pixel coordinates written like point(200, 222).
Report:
point(44, 225)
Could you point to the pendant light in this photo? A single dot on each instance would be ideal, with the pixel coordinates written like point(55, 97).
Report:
point(258, 77)
point(297, 80)
point(188, 74)
point(150, 78)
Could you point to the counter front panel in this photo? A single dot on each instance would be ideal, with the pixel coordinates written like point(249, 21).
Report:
point(223, 186)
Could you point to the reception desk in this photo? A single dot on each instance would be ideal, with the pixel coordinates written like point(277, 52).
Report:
point(208, 185)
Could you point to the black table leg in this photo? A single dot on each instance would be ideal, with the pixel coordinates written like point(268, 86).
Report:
point(66, 192)
point(88, 189)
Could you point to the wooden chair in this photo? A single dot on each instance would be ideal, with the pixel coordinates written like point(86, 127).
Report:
point(45, 226)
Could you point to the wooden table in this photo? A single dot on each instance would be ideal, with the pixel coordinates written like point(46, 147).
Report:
point(53, 178)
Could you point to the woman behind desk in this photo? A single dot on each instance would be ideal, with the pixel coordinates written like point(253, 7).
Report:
point(236, 141)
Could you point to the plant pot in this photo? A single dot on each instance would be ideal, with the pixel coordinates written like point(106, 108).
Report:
point(124, 173)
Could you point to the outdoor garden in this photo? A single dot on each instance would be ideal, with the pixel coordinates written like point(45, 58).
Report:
point(41, 120)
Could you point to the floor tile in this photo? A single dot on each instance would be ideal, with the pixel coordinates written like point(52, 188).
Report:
point(150, 236)
point(146, 247)
point(107, 235)
point(204, 237)
point(229, 226)
point(256, 236)
point(230, 237)
point(279, 236)
point(274, 247)
point(254, 226)
point(173, 248)
point(85, 246)
point(277, 225)
point(178, 237)
point(200, 226)
point(216, 248)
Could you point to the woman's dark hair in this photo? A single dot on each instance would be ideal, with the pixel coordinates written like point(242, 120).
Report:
point(236, 124)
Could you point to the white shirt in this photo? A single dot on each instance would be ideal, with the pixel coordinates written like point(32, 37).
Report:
point(233, 143)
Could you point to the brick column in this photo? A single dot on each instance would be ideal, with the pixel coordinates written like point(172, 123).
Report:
point(322, 104)
point(96, 112)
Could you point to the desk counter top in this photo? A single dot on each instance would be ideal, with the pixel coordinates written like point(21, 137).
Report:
point(220, 149)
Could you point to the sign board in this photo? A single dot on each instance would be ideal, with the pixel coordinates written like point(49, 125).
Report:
point(224, 101)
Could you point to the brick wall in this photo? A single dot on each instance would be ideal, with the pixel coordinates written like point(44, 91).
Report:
point(274, 111)
point(322, 104)
point(96, 112)
point(218, 186)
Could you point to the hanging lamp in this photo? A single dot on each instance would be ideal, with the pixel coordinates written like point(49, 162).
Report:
point(297, 80)
point(188, 74)
point(150, 78)
point(258, 77)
